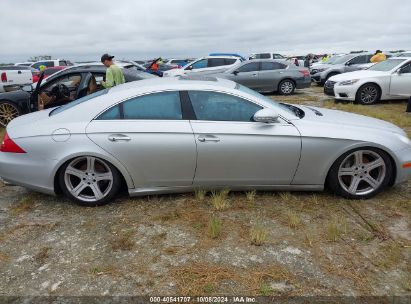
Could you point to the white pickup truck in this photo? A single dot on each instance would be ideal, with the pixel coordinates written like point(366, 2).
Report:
point(12, 77)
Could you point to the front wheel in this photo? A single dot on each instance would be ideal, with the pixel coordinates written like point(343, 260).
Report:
point(360, 173)
point(368, 94)
point(286, 87)
point(8, 112)
point(89, 181)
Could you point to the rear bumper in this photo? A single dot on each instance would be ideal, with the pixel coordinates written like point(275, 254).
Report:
point(35, 174)
point(303, 83)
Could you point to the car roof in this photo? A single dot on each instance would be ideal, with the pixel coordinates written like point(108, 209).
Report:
point(174, 83)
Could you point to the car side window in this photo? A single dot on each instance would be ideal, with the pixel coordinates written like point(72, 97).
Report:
point(215, 62)
point(359, 60)
point(269, 66)
point(406, 69)
point(62, 63)
point(263, 56)
point(249, 67)
point(164, 105)
point(199, 64)
point(228, 61)
point(214, 106)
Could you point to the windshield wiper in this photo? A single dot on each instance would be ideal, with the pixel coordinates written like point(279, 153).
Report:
point(297, 111)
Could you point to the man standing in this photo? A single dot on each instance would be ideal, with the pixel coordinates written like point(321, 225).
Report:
point(114, 75)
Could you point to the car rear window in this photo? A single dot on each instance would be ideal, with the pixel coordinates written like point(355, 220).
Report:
point(77, 102)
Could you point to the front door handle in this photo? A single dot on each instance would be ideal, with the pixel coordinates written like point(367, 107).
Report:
point(118, 137)
point(212, 138)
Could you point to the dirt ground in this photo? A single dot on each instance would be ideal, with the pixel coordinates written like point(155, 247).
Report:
point(263, 243)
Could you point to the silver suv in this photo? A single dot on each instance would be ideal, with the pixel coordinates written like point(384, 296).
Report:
point(342, 64)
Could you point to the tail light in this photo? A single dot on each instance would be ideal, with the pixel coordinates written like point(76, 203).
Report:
point(305, 73)
point(9, 146)
point(4, 77)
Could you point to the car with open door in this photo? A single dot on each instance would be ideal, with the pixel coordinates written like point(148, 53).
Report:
point(60, 88)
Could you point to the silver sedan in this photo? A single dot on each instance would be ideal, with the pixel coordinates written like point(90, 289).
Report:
point(176, 135)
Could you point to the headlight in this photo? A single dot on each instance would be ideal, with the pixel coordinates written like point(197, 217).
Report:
point(348, 82)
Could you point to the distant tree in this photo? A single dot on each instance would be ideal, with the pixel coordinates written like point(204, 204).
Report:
point(40, 57)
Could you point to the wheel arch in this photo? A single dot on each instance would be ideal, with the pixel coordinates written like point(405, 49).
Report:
point(125, 176)
point(365, 146)
point(285, 78)
point(370, 82)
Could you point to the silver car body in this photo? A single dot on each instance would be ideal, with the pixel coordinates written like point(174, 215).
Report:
point(344, 64)
point(180, 155)
point(266, 80)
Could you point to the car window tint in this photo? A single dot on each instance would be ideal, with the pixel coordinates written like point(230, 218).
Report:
point(406, 69)
point(269, 66)
point(249, 67)
point(221, 107)
point(110, 114)
point(164, 105)
point(199, 64)
point(229, 61)
point(62, 63)
point(263, 56)
point(215, 62)
point(359, 60)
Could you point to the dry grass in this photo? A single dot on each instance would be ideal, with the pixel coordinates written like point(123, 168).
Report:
point(293, 219)
point(391, 255)
point(42, 255)
point(105, 270)
point(250, 195)
point(200, 195)
point(214, 227)
point(200, 278)
point(258, 233)
point(336, 227)
point(219, 199)
point(2, 132)
point(123, 241)
point(27, 203)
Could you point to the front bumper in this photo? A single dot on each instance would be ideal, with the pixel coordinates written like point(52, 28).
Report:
point(345, 92)
point(403, 174)
point(329, 88)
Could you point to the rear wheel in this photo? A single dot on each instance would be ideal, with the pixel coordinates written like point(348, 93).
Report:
point(360, 173)
point(89, 181)
point(8, 112)
point(368, 94)
point(286, 87)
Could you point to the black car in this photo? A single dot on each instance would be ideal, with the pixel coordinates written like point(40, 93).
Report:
point(58, 89)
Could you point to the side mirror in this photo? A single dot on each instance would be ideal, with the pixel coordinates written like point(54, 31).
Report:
point(266, 116)
point(236, 72)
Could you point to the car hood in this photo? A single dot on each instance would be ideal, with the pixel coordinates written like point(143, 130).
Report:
point(357, 75)
point(322, 66)
point(341, 119)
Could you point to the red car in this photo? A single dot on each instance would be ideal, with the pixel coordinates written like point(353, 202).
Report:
point(47, 72)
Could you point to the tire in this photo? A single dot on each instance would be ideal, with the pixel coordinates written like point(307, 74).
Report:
point(360, 173)
point(89, 181)
point(8, 111)
point(286, 87)
point(368, 94)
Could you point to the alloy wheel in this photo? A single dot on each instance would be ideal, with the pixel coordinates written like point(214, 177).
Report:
point(287, 87)
point(88, 178)
point(362, 172)
point(7, 113)
point(369, 94)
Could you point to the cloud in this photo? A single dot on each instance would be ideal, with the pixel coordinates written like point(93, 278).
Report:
point(83, 30)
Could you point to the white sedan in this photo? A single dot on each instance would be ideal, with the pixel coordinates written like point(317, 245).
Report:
point(390, 79)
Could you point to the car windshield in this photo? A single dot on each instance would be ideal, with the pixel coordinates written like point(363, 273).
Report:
point(405, 55)
point(343, 59)
point(78, 101)
point(387, 65)
point(289, 109)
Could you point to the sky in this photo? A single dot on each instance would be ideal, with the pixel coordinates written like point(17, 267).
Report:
point(81, 30)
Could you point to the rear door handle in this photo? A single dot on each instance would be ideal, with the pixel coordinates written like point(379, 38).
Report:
point(212, 138)
point(118, 137)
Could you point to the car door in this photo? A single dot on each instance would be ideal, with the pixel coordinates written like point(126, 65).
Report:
point(270, 75)
point(149, 136)
point(401, 81)
point(355, 63)
point(247, 75)
point(233, 150)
